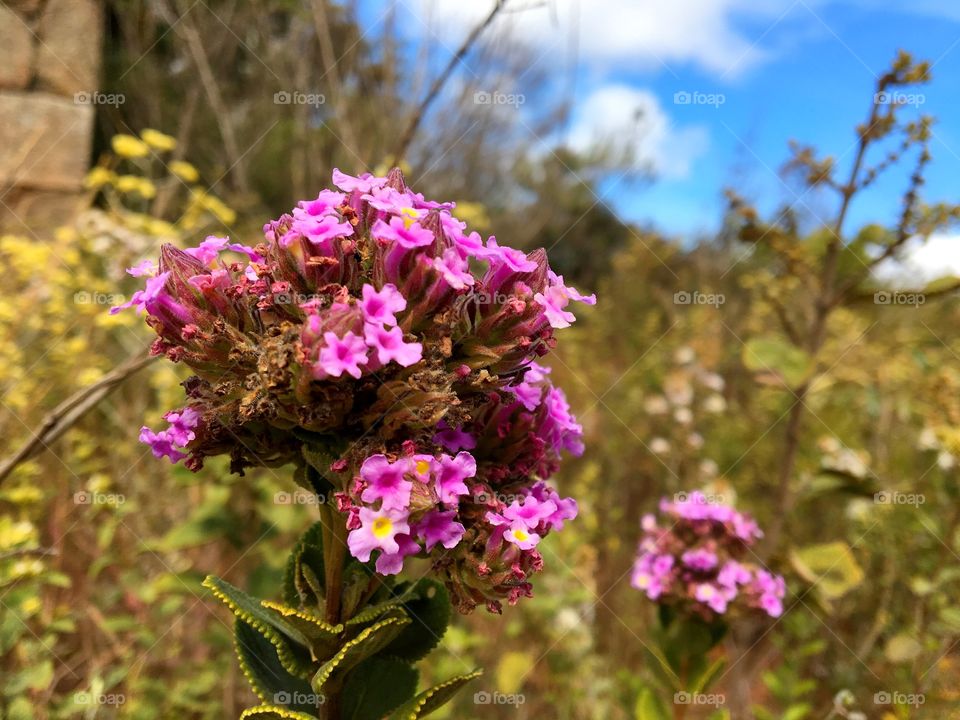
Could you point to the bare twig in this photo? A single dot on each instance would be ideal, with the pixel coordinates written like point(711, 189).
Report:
point(404, 144)
point(211, 88)
point(332, 73)
point(67, 413)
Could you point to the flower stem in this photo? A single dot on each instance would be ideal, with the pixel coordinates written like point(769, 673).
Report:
point(334, 554)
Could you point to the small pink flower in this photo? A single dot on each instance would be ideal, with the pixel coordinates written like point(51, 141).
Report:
point(531, 512)
point(182, 425)
point(389, 345)
point(380, 306)
point(440, 527)
point(154, 289)
point(161, 444)
point(320, 231)
point(327, 202)
point(519, 535)
point(397, 231)
point(515, 260)
point(142, 268)
point(712, 596)
point(385, 481)
point(451, 473)
point(343, 355)
point(378, 531)
point(365, 183)
point(209, 250)
point(453, 269)
point(392, 563)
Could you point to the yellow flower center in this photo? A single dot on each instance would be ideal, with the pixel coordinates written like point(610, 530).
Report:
point(381, 527)
point(521, 535)
point(410, 216)
point(423, 467)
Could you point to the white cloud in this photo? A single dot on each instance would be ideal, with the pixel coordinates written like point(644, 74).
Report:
point(628, 119)
point(650, 34)
point(923, 262)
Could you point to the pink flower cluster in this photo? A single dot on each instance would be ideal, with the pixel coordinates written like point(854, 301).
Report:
point(695, 558)
point(373, 339)
point(477, 496)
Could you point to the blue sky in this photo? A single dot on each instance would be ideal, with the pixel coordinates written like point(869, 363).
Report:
point(802, 69)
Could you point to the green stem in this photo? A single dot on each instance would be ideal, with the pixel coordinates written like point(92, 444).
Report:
point(334, 555)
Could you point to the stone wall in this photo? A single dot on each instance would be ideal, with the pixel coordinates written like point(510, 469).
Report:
point(50, 54)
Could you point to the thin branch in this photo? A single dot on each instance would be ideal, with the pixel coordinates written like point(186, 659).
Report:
point(69, 412)
point(438, 84)
point(211, 88)
point(331, 71)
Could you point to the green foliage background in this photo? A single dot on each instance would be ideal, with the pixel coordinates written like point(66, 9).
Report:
point(103, 549)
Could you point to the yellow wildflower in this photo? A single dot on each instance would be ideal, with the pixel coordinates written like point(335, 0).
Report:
point(158, 141)
point(129, 146)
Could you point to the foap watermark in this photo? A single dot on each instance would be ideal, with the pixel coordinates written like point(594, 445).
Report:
point(498, 698)
point(684, 97)
point(695, 297)
point(298, 698)
point(292, 298)
point(296, 97)
point(688, 698)
point(892, 497)
point(898, 97)
point(487, 298)
point(89, 698)
point(487, 498)
point(87, 497)
point(99, 98)
point(299, 497)
point(889, 297)
point(98, 298)
point(484, 97)
point(898, 698)
point(701, 498)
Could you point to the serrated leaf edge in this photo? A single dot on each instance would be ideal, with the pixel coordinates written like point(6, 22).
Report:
point(288, 611)
point(423, 698)
point(320, 679)
point(289, 662)
point(281, 711)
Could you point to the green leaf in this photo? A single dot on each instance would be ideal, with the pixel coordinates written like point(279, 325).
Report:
point(661, 667)
point(253, 610)
point(324, 637)
point(776, 356)
point(429, 611)
point(701, 683)
point(267, 676)
point(274, 712)
point(300, 588)
point(369, 642)
point(376, 687)
point(650, 707)
point(434, 698)
point(830, 567)
point(372, 612)
point(291, 644)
